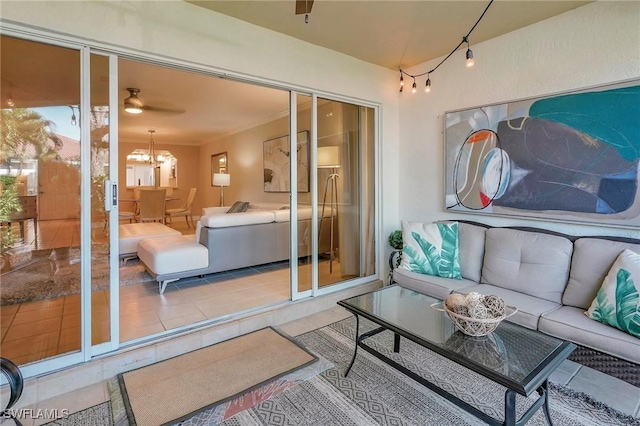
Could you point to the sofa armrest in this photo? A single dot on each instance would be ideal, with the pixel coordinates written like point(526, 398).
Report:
point(208, 211)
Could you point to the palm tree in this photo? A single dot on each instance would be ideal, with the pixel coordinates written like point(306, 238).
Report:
point(24, 135)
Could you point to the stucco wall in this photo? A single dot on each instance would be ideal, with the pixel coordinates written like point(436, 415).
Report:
point(595, 44)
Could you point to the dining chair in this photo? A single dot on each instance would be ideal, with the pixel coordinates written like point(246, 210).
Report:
point(131, 215)
point(185, 210)
point(152, 205)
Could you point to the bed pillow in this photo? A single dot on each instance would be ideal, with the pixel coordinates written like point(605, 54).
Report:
point(239, 207)
point(618, 302)
point(431, 248)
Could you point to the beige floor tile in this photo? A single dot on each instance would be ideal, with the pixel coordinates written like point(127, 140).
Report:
point(129, 333)
point(175, 311)
point(138, 319)
point(70, 337)
point(23, 317)
point(72, 320)
point(9, 310)
point(33, 329)
point(41, 304)
point(193, 318)
point(68, 349)
point(37, 344)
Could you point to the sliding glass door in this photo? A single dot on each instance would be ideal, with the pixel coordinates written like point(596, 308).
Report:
point(55, 278)
point(346, 191)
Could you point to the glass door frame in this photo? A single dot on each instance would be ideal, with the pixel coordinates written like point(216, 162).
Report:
point(111, 207)
point(86, 351)
point(316, 290)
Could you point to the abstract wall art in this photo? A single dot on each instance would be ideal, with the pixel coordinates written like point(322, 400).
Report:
point(571, 157)
point(276, 160)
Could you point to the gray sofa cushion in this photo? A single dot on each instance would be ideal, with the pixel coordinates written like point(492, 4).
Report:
point(572, 324)
point(592, 260)
point(471, 250)
point(530, 308)
point(437, 287)
point(529, 262)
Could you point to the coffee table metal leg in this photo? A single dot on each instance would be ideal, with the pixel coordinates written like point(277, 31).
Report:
point(396, 342)
point(355, 350)
point(510, 408)
point(544, 393)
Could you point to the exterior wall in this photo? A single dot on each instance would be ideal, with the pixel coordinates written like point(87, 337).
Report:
point(588, 46)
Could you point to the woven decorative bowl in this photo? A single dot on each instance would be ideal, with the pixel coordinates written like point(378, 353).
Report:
point(474, 326)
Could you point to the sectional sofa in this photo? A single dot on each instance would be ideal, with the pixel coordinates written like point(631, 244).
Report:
point(551, 278)
point(226, 241)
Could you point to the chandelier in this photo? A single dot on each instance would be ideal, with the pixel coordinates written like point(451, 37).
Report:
point(154, 159)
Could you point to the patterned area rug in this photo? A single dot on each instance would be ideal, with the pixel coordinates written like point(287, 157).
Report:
point(376, 394)
point(51, 273)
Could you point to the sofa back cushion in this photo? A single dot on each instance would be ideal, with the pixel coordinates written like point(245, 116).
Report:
point(532, 263)
point(471, 250)
point(592, 260)
point(240, 219)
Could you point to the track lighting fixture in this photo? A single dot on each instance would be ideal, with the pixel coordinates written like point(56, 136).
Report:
point(469, 56)
point(414, 88)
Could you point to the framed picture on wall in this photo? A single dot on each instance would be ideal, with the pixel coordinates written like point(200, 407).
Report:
point(276, 163)
point(568, 157)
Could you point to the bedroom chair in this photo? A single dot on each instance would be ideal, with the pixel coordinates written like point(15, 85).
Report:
point(131, 215)
point(152, 205)
point(185, 210)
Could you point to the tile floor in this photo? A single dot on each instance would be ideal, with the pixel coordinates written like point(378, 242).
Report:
point(41, 329)
point(616, 393)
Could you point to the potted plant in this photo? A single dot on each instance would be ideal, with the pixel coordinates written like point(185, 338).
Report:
point(395, 241)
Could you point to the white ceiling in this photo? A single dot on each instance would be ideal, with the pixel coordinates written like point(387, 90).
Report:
point(392, 33)
point(388, 33)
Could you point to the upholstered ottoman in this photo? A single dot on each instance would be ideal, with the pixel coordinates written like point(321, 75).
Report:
point(171, 258)
point(132, 233)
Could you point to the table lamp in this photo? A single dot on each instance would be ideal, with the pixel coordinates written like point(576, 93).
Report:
point(221, 180)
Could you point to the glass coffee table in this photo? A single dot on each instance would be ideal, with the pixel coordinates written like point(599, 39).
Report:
point(518, 358)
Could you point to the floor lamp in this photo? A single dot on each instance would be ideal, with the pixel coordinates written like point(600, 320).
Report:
point(221, 180)
point(328, 158)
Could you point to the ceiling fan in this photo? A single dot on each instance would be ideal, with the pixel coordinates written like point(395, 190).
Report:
point(134, 105)
point(304, 6)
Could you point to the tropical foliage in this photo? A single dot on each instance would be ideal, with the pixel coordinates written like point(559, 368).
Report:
point(624, 311)
point(25, 134)
point(9, 203)
point(429, 260)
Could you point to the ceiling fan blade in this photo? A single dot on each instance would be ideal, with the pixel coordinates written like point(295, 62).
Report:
point(303, 6)
point(163, 109)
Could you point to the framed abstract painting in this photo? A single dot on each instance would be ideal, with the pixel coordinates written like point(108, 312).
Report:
point(570, 157)
point(275, 157)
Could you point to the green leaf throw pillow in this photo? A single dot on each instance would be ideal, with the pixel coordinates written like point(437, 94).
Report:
point(618, 300)
point(431, 248)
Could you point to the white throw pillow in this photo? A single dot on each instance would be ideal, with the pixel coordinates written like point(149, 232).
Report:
point(431, 248)
point(618, 301)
